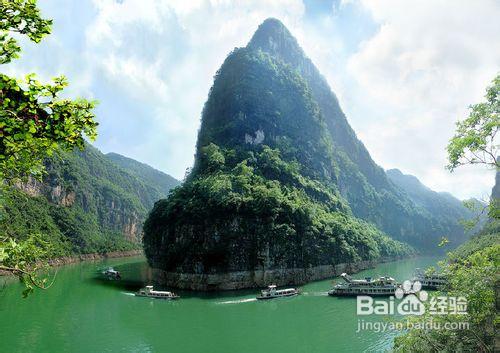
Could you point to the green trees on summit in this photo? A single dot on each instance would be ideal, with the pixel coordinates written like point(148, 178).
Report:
point(255, 93)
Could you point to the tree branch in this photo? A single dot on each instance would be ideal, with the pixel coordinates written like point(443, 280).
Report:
point(30, 275)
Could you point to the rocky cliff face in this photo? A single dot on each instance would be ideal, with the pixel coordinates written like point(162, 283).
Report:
point(494, 212)
point(91, 202)
point(54, 193)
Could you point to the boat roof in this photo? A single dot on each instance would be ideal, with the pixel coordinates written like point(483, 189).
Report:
point(160, 291)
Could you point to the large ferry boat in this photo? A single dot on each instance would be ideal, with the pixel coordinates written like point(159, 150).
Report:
point(382, 286)
point(151, 293)
point(271, 292)
point(429, 281)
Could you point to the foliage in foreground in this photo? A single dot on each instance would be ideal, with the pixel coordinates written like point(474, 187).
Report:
point(475, 278)
point(34, 122)
point(26, 260)
point(23, 17)
point(473, 269)
point(475, 140)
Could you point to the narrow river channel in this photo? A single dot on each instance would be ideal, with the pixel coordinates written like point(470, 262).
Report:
point(84, 313)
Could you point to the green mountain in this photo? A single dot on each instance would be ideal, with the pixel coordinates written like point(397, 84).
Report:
point(443, 207)
point(87, 202)
point(369, 192)
point(278, 180)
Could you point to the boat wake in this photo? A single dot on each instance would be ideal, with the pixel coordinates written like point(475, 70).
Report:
point(315, 294)
point(127, 293)
point(239, 301)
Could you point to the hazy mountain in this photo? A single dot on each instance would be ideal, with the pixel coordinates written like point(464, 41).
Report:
point(442, 206)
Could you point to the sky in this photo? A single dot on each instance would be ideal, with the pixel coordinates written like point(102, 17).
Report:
point(404, 71)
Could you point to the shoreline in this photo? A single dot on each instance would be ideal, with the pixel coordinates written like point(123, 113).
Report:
point(68, 260)
point(260, 278)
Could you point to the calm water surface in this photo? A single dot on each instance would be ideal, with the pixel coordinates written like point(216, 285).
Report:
point(83, 313)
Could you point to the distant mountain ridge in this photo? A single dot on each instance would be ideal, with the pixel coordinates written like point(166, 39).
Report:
point(155, 178)
point(448, 208)
point(88, 202)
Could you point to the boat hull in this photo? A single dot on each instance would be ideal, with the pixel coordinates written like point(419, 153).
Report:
point(276, 296)
point(155, 297)
point(334, 294)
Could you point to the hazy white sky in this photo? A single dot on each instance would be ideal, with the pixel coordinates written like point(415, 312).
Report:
point(404, 71)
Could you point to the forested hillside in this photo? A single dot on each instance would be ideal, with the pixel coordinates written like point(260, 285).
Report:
point(86, 202)
point(444, 207)
point(152, 177)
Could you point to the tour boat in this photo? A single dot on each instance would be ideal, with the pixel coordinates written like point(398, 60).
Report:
point(429, 281)
point(382, 286)
point(151, 293)
point(271, 292)
point(111, 273)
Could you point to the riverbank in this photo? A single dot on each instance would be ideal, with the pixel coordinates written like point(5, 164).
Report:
point(260, 278)
point(93, 257)
point(67, 260)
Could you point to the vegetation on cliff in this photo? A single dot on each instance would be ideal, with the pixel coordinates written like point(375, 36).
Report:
point(254, 210)
point(152, 177)
point(262, 193)
point(59, 195)
point(450, 213)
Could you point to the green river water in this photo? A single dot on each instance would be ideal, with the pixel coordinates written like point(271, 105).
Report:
point(83, 313)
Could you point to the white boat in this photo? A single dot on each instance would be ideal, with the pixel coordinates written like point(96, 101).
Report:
point(382, 286)
point(429, 281)
point(271, 292)
point(158, 294)
point(111, 273)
